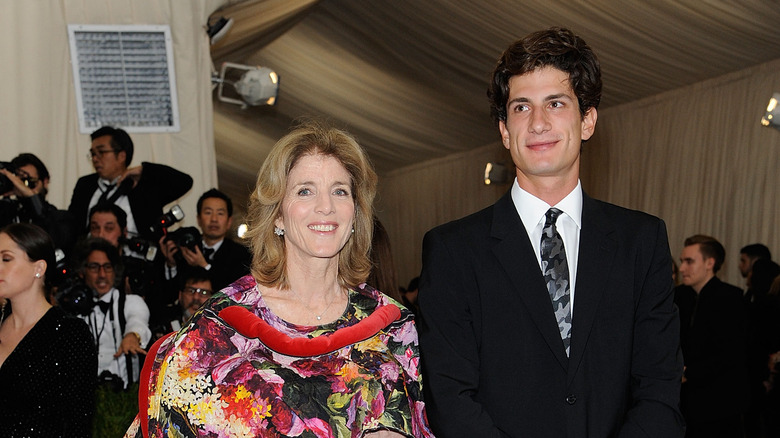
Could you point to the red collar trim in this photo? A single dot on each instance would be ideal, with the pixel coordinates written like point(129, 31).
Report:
point(252, 326)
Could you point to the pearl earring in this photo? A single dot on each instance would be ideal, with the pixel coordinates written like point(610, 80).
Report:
point(37, 275)
point(278, 231)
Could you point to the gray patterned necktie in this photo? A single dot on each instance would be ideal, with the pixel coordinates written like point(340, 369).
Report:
point(556, 274)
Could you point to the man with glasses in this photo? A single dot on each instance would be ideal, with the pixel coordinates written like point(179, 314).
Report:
point(142, 191)
point(26, 202)
point(119, 322)
point(195, 289)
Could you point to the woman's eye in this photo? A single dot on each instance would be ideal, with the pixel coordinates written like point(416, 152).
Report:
point(304, 192)
point(341, 192)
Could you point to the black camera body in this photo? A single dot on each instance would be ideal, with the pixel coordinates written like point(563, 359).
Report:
point(185, 237)
point(75, 297)
point(5, 184)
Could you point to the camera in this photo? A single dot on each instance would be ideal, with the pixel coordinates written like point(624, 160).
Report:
point(142, 247)
point(75, 297)
point(160, 227)
point(5, 184)
point(185, 237)
point(140, 275)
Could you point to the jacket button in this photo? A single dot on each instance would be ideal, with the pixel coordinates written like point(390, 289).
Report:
point(571, 399)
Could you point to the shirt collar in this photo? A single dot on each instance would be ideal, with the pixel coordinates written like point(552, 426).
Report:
point(532, 209)
point(104, 183)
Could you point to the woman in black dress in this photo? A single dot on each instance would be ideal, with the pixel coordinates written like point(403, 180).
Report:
point(48, 360)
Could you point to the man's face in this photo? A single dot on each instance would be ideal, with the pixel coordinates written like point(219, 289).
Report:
point(695, 269)
point(194, 294)
point(745, 264)
point(213, 219)
point(107, 163)
point(104, 224)
point(544, 129)
point(99, 273)
point(30, 173)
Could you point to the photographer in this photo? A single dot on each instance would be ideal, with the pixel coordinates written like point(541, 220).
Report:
point(194, 290)
point(24, 183)
point(109, 222)
point(224, 259)
point(142, 191)
point(119, 322)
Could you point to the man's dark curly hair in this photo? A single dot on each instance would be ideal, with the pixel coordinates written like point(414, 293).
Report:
point(554, 47)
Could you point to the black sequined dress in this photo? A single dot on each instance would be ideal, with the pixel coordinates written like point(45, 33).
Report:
point(47, 384)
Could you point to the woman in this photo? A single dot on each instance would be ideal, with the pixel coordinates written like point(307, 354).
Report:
point(301, 347)
point(48, 361)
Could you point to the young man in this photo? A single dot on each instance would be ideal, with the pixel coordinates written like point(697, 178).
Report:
point(549, 314)
point(142, 191)
point(714, 389)
point(225, 260)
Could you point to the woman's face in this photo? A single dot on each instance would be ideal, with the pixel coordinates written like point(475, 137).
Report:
point(17, 272)
point(317, 210)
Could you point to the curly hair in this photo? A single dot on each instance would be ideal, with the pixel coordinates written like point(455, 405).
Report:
point(555, 47)
point(310, 138)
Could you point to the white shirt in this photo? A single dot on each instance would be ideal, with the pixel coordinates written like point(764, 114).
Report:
point(532, 212)
point(105, 328)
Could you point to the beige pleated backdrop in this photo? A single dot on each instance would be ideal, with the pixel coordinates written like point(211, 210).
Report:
point(697, 157)
point(38, 111)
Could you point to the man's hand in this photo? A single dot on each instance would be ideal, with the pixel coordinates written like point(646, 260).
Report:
point(20, 188)
point(131, 344)
point(134, 173)
point(169, 249)
point(194, 257)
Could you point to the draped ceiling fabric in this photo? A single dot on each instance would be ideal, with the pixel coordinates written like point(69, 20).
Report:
point(408, 78)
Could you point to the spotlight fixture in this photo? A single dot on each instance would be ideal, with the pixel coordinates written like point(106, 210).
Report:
point(772, 116)
point(496, 173)
point(218, 29)
point(256, 86)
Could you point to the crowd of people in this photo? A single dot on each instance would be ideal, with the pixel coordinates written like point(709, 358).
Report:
point(302, 329)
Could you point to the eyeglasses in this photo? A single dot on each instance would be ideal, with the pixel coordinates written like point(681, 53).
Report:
point(99, 153)
point(197, 290)
point(28, 180)
point(95, 268)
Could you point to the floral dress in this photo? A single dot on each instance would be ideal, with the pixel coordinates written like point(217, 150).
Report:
point(237, 370)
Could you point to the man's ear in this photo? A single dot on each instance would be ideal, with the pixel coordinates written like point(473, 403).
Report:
point(709, 263)
point(122, 156)
point(504, 133)
point(589, 123)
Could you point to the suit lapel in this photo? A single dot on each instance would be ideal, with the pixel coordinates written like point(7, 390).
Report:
point(515, 255)
point(595, 262)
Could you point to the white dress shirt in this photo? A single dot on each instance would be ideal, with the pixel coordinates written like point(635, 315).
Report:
point(532, 212)
point(105, 328)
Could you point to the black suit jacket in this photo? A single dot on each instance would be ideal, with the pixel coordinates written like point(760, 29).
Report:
point(493, 360)
point(158, 186)
point(229, 263)
point(713, 343)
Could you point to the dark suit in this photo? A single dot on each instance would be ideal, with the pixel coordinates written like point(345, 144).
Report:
point(158, 186)
point(229, 263)
point(494, 363)
point(713, 344)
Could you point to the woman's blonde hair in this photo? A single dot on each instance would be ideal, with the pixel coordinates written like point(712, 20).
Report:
point(309, 138)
